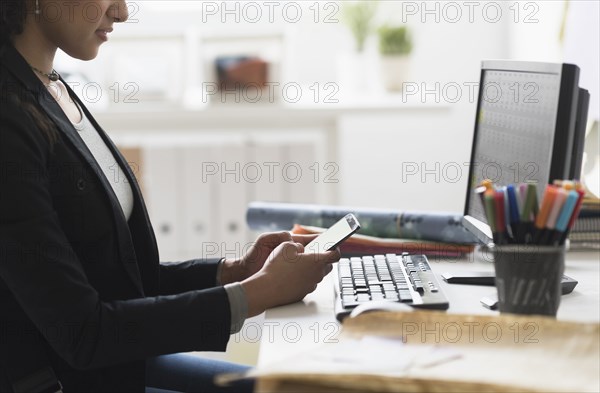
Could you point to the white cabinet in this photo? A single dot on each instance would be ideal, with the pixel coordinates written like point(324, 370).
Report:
point(161, 165)
point(196, 192)
point(231, 197)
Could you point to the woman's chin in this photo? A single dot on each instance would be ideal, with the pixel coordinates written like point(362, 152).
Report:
point(85, 54)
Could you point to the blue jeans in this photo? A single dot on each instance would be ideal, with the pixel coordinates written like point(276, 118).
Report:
point(188, 373)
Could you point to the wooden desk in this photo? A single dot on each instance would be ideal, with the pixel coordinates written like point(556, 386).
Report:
point(298, 327)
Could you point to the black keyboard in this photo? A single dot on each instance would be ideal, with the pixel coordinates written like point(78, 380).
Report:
point(401, 278)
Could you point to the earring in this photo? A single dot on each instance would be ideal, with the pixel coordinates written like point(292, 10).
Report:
point(37, 7)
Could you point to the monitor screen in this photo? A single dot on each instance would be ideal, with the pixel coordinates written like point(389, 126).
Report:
point(525, 130)
point(515, 127)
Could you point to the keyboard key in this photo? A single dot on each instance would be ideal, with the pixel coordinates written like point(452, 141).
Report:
point(402, 285)
point(363, 297)
point(351, 304)
point(391, 296)
point(405, 296)
point(418, 286)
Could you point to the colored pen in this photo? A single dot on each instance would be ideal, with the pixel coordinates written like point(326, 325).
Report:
point(542, 218)
point(574, 215)
point(513, 207)
point(488, 184)
point(490, 213)
point(536, 204)
point(561, 196)
point(507, 228)
point(547, 200)
point(527, 214)
point(565, 216)
point(500, 216)
point(480, 191)
point(522, 194)
point(530, 205)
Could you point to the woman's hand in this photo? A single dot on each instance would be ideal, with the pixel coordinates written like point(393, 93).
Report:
point(287, 276)
point(239, 269)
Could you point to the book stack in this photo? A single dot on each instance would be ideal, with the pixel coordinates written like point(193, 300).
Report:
point(585, 234)
point(359, 245)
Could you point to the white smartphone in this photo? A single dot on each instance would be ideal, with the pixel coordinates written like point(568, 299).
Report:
point(335, 235)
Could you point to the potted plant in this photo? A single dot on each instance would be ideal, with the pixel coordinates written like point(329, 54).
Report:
point(358, 16)
point(395, 45)
point(354, 68)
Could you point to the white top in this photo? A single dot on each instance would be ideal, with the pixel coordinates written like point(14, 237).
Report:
point(111, 169)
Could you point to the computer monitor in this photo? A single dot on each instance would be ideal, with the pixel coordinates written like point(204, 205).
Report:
point(525, 130)
point(580, 129)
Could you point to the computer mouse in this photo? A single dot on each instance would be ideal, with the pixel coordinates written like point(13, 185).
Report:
point(380, 305)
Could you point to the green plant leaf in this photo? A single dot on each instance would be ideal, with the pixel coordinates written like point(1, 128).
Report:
point(358, 15)
point(394, 40)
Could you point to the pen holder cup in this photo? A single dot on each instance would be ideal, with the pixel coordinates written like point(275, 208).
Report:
point(528, 278)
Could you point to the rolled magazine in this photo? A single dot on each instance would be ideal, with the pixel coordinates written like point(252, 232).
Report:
point(430, 226)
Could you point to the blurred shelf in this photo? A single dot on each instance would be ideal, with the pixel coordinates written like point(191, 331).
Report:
point(164, 116)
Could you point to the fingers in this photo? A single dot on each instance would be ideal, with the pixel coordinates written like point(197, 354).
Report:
point(325, 271)
point(265, 244)
point(274, 238)
point(304, 239)
point(330, 256)
point(327, 257)
point(334, 255)
point(290, 251)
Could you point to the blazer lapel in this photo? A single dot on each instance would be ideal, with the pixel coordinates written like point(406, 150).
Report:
point(137, 193)
point(18, 66)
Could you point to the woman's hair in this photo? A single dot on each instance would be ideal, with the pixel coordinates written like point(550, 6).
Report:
point(12, 18)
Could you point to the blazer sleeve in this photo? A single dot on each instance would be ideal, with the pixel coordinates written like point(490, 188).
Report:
point(177, 277)
point(43, 273)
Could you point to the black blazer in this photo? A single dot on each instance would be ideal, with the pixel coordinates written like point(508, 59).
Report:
point(81, 288)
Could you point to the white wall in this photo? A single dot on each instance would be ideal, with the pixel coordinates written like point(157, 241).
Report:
point(450, 40)
point(436, 141)
point(582, 47)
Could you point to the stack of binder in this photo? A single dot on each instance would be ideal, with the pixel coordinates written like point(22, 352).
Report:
point(585, 234)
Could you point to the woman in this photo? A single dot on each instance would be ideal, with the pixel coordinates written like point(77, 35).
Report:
point(84, 301)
